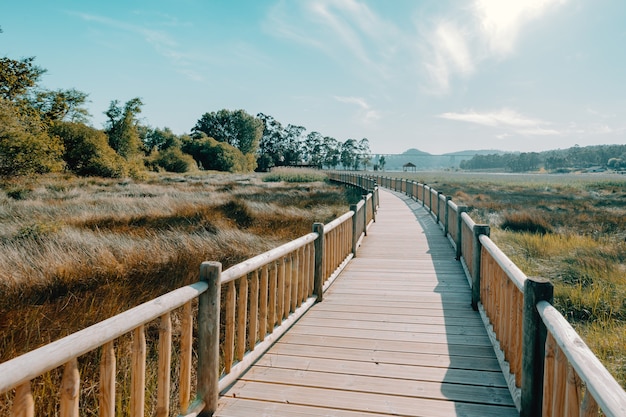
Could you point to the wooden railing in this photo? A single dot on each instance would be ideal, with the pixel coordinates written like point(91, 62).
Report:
point(549, 369)
point(262, 297)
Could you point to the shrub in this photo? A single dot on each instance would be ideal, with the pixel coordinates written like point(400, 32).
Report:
point(87, 151)
point(173, 160)
point(25, 147)
point(219, 156)
point(526, 222)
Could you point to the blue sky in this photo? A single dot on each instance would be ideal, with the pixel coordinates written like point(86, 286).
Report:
point(437, 75)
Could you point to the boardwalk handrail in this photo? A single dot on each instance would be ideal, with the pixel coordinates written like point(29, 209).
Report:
point(263, 296)
point(549, 369)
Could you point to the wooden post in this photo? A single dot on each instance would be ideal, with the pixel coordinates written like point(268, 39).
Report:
point(364, 197)
point(107, 380)
point(459, 236)
point(23, 403)
point(209, 337)
point(373, 200)
point(318, 279)
point(355, 238)
point(70, 388)
point(186, 352)
point(446, 215)
point(533, 346)
point(479, 229)
point(138, 374)
point(165, 362)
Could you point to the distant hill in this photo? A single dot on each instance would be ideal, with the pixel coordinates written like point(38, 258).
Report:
point(414, 151)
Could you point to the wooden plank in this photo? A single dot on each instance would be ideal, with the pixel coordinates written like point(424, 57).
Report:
point(389, 345)
point(465, 340)
point(403, 313)
point(349, 323)
point(236, 407)
point(382, 385)
point(363, 401)
point(396, 318)
point(371, 368)
point(442, 359)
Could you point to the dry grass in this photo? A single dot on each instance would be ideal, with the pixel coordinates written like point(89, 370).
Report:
point(74, 251)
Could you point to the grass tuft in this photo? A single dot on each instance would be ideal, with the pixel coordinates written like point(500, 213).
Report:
point(531, 222)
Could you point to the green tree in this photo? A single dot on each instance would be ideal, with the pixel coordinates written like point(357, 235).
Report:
point(87, 151)
point(17, 77)
point(172, 159)
point(122, 127)
point(272, 145)
point(348, 155)
point(61, 105)
point(220, 156)
point(332, 152)
point(314, 147)
point(365, 155)
point(236, 128)
point(382, 162)
point(25, 146)
point(293, 150)
point(159, 139)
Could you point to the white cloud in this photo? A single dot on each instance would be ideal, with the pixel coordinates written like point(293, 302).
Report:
point(456, 44)
point(346, 30)
point(504, 118)
point(502, 21)
point(366, 114)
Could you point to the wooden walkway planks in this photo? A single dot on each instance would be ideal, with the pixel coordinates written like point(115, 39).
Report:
point(395, 335)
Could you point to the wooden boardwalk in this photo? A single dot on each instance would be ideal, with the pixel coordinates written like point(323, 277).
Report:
point(395, 335)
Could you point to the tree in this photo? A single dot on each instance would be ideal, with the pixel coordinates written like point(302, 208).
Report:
point(87, 150)
point(219, 156)
point(331, 152)
point(61, 105)
point(314, 149)
point(349, 154)
point(122, 127)
point(159, 139)
point(25, 146)
point(270, 153)
point(382, 162)
point(172, 159)
point(365, 155)
point(237, 128)
point(293, 150)
point(17, 77)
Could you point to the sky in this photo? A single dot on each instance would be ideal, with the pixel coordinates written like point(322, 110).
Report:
point(436, 75)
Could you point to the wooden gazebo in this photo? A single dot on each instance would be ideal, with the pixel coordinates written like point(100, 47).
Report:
point(409, 166)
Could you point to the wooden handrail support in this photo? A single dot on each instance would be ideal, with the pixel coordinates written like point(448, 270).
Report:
point(533, 346)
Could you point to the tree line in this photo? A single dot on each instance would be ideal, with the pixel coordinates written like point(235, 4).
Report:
point(45, 131)
point(560, 160)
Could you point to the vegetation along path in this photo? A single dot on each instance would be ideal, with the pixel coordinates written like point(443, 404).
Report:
point(395, 335)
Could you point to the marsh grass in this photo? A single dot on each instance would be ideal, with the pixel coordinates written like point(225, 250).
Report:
point(568, 228)
point(288, 174)
point(75, 251)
